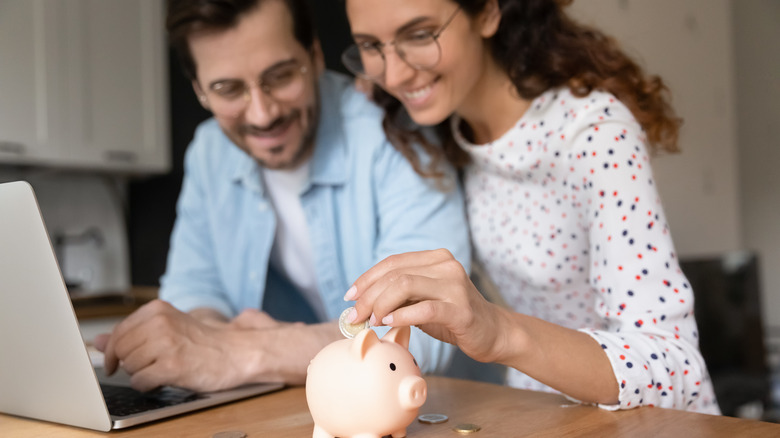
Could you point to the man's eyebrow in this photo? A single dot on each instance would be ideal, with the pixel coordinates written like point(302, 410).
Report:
point(275, 66)
point(401, 29)
point(278, 65)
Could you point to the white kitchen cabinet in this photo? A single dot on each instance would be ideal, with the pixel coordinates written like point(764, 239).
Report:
point(83, 84)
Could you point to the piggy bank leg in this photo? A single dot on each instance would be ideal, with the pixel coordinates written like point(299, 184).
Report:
point(320, 433)
point(400, 434)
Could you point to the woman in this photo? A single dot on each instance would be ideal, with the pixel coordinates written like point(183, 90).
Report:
point(551, 123)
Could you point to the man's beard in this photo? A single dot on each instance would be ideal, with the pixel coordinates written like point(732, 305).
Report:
point(306, 146)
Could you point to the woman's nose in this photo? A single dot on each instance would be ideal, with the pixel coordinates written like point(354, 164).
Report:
point(397, 70)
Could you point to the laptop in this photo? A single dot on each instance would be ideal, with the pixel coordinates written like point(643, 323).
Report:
point(45, 369)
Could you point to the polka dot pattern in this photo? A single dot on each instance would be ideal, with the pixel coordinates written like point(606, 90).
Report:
point(567, 221)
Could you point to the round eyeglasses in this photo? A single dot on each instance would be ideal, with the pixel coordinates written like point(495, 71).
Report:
point(420, 49)
point(282, 83)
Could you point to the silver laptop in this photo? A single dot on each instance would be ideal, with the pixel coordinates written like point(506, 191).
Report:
point(45, 369)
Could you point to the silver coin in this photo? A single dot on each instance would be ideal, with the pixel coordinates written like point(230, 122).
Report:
point(229, 434)
point(432, 418)
point(350, 330)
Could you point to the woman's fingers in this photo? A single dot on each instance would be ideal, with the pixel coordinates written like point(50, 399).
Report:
point(394, 263)
point(405, 289)
point(393, 269)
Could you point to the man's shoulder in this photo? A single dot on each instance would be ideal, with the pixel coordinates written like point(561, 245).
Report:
point(212, 151)
point(348, 117)
point(207, 131)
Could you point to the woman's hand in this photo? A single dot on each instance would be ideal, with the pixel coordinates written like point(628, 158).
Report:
point(431, 290)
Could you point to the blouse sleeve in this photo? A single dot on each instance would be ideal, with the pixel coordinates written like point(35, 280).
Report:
point(650, 335)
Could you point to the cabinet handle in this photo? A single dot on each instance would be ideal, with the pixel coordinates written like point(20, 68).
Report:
point(11, 147)
point(121, 156)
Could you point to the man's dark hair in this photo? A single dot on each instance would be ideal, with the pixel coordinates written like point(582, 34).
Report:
point(186, 17)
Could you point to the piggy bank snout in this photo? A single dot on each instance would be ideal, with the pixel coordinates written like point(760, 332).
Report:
point(412, 392)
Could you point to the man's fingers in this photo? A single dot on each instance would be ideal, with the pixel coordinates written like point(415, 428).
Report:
point(141, 358)
point(101, 341)
point(150, 378)
point(141, 316)
point(129, 334)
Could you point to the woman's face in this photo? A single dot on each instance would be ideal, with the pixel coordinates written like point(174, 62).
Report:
point(431, 95)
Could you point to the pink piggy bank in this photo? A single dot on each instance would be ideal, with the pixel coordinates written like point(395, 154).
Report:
point(365, 387)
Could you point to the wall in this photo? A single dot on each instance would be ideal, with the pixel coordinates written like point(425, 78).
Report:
point(721, 61)
point(73, 203)
point(757, 49)
point(688, 43)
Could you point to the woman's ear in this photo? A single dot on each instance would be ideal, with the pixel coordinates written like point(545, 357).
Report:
point(201, 95)
point(489, 19)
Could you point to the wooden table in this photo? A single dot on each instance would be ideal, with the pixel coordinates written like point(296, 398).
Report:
point(500, 411)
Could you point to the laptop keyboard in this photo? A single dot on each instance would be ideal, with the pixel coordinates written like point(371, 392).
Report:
point(123, 400)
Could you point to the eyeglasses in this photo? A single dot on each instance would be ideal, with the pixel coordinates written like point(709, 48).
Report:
point(420, 49)
point(283, 83)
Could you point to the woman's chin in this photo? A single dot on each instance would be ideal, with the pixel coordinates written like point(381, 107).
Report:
point(428, 117)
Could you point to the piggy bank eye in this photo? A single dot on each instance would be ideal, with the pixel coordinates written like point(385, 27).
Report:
point(415, 362)
point(392, 366)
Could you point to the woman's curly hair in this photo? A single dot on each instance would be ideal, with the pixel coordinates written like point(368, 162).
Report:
point(541, 48)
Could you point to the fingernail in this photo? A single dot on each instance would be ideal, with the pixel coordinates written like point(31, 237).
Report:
point(352, 316)
point(372, 320)
point(387, 320)
point(350, 295)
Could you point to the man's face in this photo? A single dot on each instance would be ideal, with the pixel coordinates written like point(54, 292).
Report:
point(277, 128)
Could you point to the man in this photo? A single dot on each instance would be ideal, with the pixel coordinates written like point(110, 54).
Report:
point(291, 191)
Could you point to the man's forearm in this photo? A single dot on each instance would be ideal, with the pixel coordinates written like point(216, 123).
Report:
point(282, 354)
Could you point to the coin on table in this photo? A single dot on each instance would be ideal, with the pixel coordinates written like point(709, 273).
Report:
point(432, 418)
point(466, 428)
point(350, 330)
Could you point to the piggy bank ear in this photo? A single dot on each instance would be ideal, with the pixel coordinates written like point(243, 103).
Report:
point(399, 335)
point(362, 342)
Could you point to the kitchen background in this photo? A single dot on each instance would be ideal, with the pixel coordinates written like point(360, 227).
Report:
point(95, 113)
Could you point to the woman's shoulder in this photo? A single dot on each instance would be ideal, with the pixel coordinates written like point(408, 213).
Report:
point(563, 101)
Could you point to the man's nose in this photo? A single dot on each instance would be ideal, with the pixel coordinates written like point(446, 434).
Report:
point(261, 109)
point(397, 70)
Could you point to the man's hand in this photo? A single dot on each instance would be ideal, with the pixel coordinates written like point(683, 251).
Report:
point(160, 345)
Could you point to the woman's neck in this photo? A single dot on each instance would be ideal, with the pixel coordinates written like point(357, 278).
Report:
point(493, 105)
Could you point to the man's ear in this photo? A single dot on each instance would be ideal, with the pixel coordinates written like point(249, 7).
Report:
point(489, 19)
point(201, 94)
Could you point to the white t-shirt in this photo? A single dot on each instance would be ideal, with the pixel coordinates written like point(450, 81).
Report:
point(291, 254)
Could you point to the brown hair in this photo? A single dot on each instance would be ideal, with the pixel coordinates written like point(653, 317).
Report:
point(186, 17)
point(541, 48)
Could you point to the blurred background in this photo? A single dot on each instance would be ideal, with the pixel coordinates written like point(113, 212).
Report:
point(95, 113)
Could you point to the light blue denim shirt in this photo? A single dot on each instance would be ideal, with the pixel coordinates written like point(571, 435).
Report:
point(363, 202)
